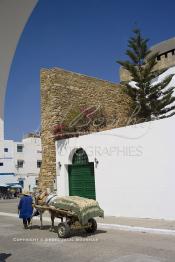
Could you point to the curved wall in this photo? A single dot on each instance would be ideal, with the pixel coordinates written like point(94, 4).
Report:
point(165, 59)
point(13, 17)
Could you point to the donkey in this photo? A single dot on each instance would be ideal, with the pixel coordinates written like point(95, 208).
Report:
point(44, 199)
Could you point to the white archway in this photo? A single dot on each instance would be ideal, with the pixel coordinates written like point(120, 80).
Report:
point(13, 17)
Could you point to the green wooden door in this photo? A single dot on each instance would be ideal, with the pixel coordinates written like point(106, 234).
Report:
point(81, 180)
point(81, 176)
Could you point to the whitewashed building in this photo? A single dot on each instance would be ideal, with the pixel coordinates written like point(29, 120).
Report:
point(22, 159)
point(128, 170)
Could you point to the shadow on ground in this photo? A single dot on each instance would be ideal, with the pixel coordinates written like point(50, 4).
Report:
point(46, 227)
point(4, 256)
point(78, 232)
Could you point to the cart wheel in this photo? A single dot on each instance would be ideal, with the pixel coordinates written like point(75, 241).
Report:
point(93, 226)
point(63, 230)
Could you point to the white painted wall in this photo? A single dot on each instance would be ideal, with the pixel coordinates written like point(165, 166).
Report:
point(31, 153)
point(30, 181)
point(135, 175)
point(2, 126)
point(7, 158)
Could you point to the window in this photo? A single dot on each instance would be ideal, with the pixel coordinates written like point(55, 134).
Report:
point(6, 149)
point(39, 151)
point(166, 55)
point(19, 148)
point(1, 164)
point(158, 58)
point(80, 157)
point(20, 163)
point(39, 162)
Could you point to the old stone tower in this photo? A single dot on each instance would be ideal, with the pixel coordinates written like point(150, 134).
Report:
point(165, 59)
point(62, 90)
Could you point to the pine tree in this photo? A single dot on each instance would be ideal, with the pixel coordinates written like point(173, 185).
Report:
point(152, 101)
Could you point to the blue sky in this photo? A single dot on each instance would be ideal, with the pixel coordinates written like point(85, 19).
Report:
point(85, 36)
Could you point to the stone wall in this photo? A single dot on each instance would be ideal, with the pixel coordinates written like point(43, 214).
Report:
point(163, 63)
point(63, 90)
point(166, 60)
point(124, 74)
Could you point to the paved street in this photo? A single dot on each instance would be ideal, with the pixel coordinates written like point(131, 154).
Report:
point(9, 205)
point(18, 244)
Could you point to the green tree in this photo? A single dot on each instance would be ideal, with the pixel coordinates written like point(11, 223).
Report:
point(153, 101)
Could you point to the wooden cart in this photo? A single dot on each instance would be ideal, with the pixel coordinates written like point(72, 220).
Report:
point(69, 220)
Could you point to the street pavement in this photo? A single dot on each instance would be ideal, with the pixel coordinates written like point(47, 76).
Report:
point(9, 205)
point(17, 244)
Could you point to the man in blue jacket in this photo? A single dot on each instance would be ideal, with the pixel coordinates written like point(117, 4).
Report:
point(25, 209)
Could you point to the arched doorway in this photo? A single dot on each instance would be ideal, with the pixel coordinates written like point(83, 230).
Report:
point(81, 176)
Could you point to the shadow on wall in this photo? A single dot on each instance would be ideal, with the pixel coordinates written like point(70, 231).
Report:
point(4, 256)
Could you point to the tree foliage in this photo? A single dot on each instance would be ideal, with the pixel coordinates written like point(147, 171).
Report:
point(153, 101)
